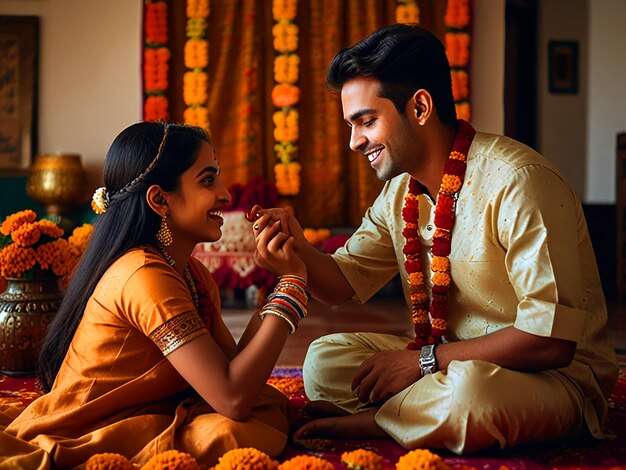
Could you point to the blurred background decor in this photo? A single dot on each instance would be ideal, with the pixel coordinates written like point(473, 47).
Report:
point(231, 258)
point(57, 181)
point(35, 260)
point(19, 46)
point(270, 119)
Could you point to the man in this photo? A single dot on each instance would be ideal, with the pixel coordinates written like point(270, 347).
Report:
point(496, 263)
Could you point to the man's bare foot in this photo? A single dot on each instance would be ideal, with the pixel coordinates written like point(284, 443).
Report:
point(313, 410)
point(323, 409)
point(356, 426)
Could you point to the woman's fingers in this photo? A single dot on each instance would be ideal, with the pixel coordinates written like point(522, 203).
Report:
point(261, 218)
point(265, 235)
point(276, 243)
point(255, 213)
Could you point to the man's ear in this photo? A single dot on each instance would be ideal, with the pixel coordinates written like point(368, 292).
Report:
point(157, 200)
point(421, 106)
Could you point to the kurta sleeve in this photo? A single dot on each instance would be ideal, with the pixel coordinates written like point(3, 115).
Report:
point(157, 301)
point(538, 223)
point(368, 259)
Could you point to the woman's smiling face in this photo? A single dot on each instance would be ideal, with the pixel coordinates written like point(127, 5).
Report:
point(195, 208)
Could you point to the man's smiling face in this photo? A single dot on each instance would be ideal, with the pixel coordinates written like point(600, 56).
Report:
point(378, 130)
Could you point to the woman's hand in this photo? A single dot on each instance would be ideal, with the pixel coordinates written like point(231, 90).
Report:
point(288, 224)
point(275, 250)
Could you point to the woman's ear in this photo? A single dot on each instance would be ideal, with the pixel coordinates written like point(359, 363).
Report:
point(157, 200)
point(421, 104)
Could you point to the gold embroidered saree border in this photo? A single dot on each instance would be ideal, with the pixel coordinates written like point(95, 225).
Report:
point(177, 331)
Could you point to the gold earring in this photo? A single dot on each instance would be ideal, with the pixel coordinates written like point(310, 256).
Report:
point(164, 235)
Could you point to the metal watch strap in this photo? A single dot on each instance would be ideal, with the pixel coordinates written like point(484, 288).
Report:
point(428, 361)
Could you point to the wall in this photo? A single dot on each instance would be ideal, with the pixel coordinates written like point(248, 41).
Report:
point(607, 96)
point(487, 74)
point(89, 74)
point(562, 118)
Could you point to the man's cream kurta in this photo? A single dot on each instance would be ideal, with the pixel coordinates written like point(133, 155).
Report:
point(521, 255)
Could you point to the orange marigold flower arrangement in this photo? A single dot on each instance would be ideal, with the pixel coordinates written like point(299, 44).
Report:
point(421, 459)
point(306, 462)
point(246, 457)
point(108, 461)
point(31, 248)
point(171, 459)
point(362, 459)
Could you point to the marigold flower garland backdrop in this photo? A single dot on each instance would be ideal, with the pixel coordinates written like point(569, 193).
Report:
point(272, 120)
point(195, 80)
point(156, 56)
point(285, 96)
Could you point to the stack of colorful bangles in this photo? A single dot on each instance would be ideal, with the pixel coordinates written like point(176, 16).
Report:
point(288, 301)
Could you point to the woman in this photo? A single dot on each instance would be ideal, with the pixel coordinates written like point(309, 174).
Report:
point(138, 359)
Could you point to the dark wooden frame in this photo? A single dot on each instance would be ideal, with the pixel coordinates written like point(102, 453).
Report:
point(19, 57)
point(563, 67)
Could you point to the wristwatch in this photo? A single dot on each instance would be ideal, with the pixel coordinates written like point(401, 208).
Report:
point(428, 361)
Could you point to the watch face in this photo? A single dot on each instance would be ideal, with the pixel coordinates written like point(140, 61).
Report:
point(428, 362)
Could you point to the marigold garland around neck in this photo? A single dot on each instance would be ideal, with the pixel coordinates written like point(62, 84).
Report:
point(430, 316)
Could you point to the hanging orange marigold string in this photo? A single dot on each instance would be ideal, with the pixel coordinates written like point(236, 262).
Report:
point(156, 56)
point(286, 96)
point(457, 41)
point(407, 11)
point(196, 54)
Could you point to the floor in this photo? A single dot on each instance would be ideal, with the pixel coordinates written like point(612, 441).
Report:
point(381, 314)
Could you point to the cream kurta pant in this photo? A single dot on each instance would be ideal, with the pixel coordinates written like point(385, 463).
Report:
point(471, 406)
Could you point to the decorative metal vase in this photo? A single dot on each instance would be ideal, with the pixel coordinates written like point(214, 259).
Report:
point(26, 310)
point(57, 181)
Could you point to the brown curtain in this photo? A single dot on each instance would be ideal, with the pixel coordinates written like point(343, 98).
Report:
point(337, 185)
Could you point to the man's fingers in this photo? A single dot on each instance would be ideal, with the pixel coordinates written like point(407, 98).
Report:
point(365, 389)
point(361, 372)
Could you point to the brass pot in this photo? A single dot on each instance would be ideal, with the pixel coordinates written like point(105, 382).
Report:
point(57, 181)
point(26, 310)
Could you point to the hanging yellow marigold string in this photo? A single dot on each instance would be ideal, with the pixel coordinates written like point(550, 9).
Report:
point(285, 97)
point(407, 11)
point(156, 56)
point(195, 80)
point(430, 315)
point(457, 42)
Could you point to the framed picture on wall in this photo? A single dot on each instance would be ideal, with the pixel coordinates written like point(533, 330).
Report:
point(563, 67)
point(19, 45)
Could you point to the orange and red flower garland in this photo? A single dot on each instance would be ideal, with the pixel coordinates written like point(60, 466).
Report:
point(430, 315)
point(196, 55)
point(285, 97)
point(156, 56)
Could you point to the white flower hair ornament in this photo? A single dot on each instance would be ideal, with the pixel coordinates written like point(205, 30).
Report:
point(100, 200)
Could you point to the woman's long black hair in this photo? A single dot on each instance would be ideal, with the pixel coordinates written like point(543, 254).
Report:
point(127, 223)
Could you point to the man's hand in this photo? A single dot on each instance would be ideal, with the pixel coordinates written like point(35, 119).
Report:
point(385, 374)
